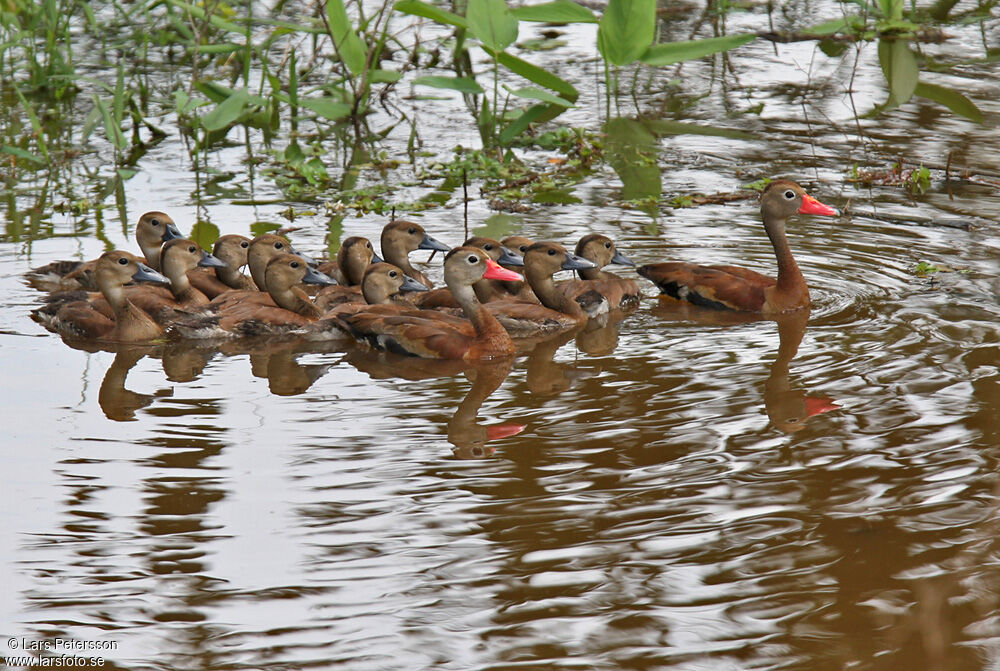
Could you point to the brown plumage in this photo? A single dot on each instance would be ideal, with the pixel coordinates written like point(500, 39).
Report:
point(733, 288)
point(126, 323)
point(232, 250)
point(380, 285)
point(432, 334)
point(353, 258)
point(151, 231)
point(261, 251)
point(521, 289)
point(165, 304)
point(399, 238)
point(289, 308)
point(601, 251)
point(486, 290)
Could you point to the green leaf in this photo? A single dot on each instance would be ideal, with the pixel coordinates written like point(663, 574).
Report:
point(492, 23)
point(559, 11)
point(204, 233)
point(626, 30)
point(111, 129)
point(418, 8)
point(662, 127)
point(892, 10)
point(533, 93)
point(462, 84)
point(900, 68)
point(675, 52)
point(537, 75)
point(384, 76)
point(226, 112)
point(327, 108)
point(17, 152)
point(632, 152)
point(218, 48)
point(951, 99)
point(521, 123)
point(215, 92)
point(349, 45)
point(827, 27)
point(498, 225)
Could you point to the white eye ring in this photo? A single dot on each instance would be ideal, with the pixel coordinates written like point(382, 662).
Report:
point(473, 259)
point(789, 194)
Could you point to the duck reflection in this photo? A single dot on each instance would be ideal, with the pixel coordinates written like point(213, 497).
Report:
point(118, 403)
point(787, 409)
point(465, 433)
point(278, 362)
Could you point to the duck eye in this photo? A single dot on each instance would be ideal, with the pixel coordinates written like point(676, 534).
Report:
point(412, 231)
point(294, 264)
point(789, 194)
point(279, 245)
point(392, 273)
point(473, 259)
point(523, 248)
point(607, 245)
point(244, 244)
point(155, 222)
point(123, 261)
point(552, 252)
point(488, 247)
point(191, 250)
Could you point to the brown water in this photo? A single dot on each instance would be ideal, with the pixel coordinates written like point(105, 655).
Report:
point(671, 492)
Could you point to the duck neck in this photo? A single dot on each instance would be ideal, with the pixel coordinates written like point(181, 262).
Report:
point(353, 269)
point(590, 273)
point(400, 257)
point(294, 300)
point(257, 264)
point(152, 254)
point(179, 284)
point(789, 275)
point(482, 320)
point(549, 296)
point(230, 276)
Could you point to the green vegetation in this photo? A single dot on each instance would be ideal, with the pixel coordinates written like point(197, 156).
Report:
point(309, 93)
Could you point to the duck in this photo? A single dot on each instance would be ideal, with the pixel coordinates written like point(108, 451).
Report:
point(399, 238)
point(381, 284)
point(520, 290)
point(265, 247)
point(432, 334)
point(164, 304)
point(353, 258)
point(601, 251)
point(522, 319)
point(725, 287)
point(486, 290)
point(290, 310)
point(80, 319)
point(151, 231)
point(232, 250)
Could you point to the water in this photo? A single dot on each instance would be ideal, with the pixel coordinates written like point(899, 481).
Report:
point(675, 491)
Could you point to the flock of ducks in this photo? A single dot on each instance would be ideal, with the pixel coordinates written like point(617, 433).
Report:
point(178, 290)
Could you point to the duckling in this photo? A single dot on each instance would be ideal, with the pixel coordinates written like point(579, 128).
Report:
point(381, 284)
point(353, 258)
point(232, 250)
point(152, 230)
point(430, 333)
point(290, 310)
point(520, 290)
point(601, 251)
point(128, 323)
point(399, 238)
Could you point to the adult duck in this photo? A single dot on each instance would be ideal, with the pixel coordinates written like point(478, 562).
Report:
point(726, 287)
point(431, 334)
point(291, 310)
point(558, 310)
point(232, 250)
point(151, 231)
point(601, 251)
point(399, 238)
point(353, 258)
point(265, 247)
point(128, 323)
point(381, 284)
point(486, 289)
